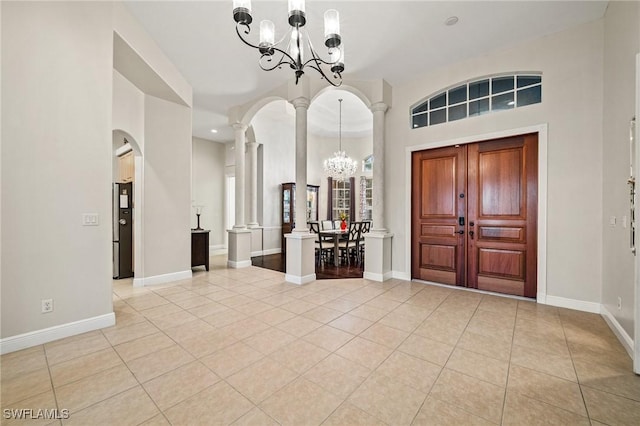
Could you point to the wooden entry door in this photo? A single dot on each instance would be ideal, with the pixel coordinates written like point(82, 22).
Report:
point(474, 215)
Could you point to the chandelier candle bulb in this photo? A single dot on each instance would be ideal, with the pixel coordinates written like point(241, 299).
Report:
point(294, 49)
point(337, 58)
point(332, 28)
point(297, 14)
point(242, 11)
point(267, 36)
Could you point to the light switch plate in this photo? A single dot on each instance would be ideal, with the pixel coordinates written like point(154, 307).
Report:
point(90, 219)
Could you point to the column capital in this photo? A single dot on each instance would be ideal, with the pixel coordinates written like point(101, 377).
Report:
point(300, 102)
point(379, 106)
point(240, 126)
point(252, 144)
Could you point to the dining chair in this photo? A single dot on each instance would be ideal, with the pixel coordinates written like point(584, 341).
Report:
point(321, 253)
point(326, 225)
point(365, 227)
point(349, 246)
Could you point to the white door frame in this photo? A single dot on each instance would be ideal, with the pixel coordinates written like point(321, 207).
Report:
point(636, 316)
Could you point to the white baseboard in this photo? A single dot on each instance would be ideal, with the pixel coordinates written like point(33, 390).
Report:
point(271, 251)
point(579, 305)
point(238, 265)
point(294, 279)
point(406, 276)
point(377, 277)
point(217, 247)
point(266, 252)
point(218, 252)
point(162, 279)
point(46, 335)
point(621, 334)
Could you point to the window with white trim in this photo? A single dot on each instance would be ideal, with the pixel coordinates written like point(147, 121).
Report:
point(478, 97)
point(341, 198)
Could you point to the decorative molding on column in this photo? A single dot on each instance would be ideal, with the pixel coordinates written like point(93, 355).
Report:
point(377, 265)
point(252, 150)
point(379, 107)
point(301, 105)
point(240, 138)
point(301, 102)
point(301, 268)
point(378, 110)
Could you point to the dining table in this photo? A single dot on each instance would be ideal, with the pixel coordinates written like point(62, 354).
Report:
point(335, 235)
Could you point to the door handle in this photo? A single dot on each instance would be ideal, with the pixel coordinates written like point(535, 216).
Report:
point(471, 234)
point(459, 232)
point(122, 222)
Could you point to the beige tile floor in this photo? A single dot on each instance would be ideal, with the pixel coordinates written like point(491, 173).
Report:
point(242, 347)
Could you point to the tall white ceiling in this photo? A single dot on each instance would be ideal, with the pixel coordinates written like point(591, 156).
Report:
point(391, 40)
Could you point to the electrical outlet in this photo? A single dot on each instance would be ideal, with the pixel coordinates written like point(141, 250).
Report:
point(619, 303)
point(47, 305)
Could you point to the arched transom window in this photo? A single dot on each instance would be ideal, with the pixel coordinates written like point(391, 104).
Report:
point(478, 97)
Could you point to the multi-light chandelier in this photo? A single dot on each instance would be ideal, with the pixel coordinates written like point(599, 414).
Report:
point(294, 52)
point(340, 167)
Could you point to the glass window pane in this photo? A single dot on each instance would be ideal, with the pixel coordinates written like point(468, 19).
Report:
point(478, 107)
point(532, 95)
point(501, 84)
point(501, 102)
point(457, 112)
point(437, 117)
point(438, 101)
point(528, 80)
point(457, 95)
point(420, 108)
point(478, 89)
point(419, 120)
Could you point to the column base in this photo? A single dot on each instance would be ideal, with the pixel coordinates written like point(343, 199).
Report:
point(301, 267)
point(377, 265)
point(239, 255)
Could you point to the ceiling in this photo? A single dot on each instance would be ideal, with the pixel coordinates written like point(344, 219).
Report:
point(391, 40)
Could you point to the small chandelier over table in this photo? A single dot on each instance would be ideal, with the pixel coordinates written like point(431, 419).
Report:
point(340, 167)
point(294, 52)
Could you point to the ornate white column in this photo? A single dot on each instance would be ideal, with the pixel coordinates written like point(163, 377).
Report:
point(301, 105)
point(300, 243)
point(240, 131)
point(252, 150)
point(379, 109)
point(377, 265)
point(239, 237)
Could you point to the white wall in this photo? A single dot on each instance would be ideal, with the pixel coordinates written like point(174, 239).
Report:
point(572, 67)
point(278, 140)
point(620, 48)
point(167, 192)
point(56, 162)
point(207, 181)
point(128, 108)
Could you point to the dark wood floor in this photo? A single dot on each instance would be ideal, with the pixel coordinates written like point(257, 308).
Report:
point(277, 262)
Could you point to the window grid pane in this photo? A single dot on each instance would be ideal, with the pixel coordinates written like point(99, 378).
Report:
point(477, 98)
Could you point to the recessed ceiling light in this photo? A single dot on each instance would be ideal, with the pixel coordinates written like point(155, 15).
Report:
point(452, 20)
point(214, 131)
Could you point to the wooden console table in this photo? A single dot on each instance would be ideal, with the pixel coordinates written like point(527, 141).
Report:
point(200, 248)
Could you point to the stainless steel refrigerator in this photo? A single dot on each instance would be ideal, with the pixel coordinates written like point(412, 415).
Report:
point(122, 230)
